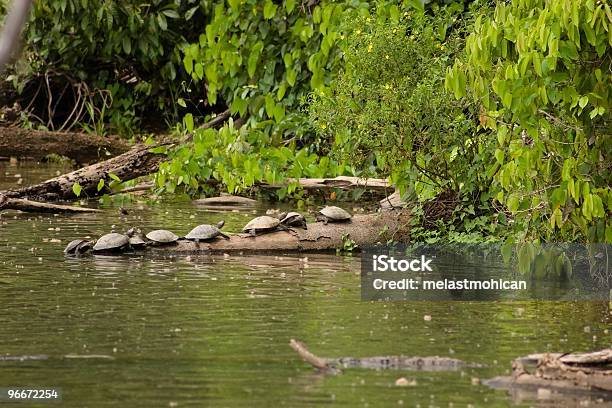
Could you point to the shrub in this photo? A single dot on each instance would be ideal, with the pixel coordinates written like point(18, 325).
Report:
point(542, 70)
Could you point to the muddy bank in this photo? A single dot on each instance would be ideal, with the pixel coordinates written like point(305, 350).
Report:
point(80, 147)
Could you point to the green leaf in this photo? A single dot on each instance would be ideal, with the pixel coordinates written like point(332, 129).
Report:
point(127, 44)
point(171, 13)
point(513, 203)
point(161, 20)
point(114, 177)
point(269, 10)
point(499, 156)
point(188, 119)
point(289, 5)
point(417, 4)
point(100, 184)
point(76, 189)
point(181, 102)
point(254, 58)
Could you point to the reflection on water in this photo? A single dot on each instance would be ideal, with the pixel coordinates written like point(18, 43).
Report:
point(201, 330)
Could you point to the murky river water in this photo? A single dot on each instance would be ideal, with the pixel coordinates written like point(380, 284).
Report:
point(214, 331)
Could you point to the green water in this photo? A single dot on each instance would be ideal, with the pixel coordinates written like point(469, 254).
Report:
point(214, 331)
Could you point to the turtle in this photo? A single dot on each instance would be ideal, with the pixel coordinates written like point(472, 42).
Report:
point(111, 242)
point(206, 232)
point(77, 246)
point(162, 237)
point(292, 219)
point(263, 224)
point(333, 214)
point(136, 238)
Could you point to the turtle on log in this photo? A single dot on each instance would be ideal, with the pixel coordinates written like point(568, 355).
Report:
point(293, 219)
point(263, 224)
point(111, 242)
point(333, 214)
point(206, 232)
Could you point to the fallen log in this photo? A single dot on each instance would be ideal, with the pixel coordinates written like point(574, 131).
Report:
point(562, 372)
point(335, 365)
point(362, 231)
point(80, 147)
point(33, 206)
point(340, 182)
point(137, 162)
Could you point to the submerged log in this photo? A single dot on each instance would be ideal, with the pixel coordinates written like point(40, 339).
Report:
point(565, 372)
point(362, 231)
point(334, 365)
point(80, 147)
point(20, 204)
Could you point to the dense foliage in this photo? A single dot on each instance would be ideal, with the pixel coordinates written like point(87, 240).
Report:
point(542, 70)
point(493, 118)
point(388, 112)
point(119, 59)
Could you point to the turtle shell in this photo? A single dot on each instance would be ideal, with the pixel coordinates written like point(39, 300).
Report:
point(162, 236)
point(292, 218)
point(111, 241)
point(74, 246)
point(136, 240)
point(262, 223)
point(203, 232)
point(334, 213)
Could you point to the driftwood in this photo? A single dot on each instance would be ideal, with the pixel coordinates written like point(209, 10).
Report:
point(334, 365)
point(33, 206)
point(363, 230)
point(82, 148)
point(340, 182)
point(564, 372)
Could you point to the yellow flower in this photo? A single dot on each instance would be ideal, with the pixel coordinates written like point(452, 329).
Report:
point(370, 48)
point(358, 32)
point(323, 126)
point(386, 57)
